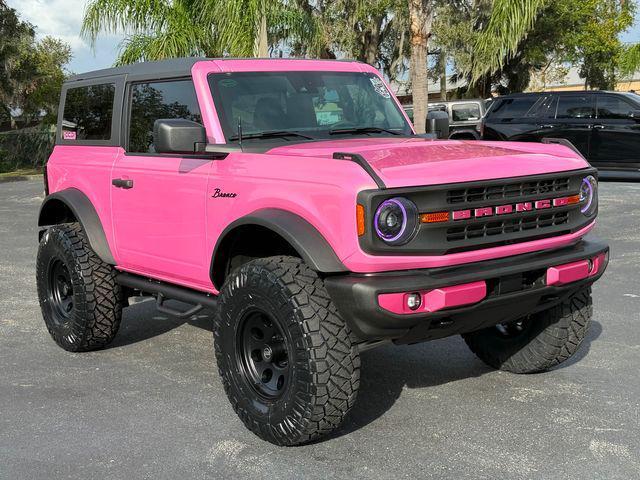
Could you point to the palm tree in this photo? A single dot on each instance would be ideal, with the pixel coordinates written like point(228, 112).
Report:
point(158, 29)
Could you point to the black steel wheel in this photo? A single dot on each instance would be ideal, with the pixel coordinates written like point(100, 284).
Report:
point(60, 292)
point(80, 300)
point(264, 354)
point(285, 356)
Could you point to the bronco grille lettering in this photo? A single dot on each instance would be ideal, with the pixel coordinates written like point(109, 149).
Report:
point(507, 209)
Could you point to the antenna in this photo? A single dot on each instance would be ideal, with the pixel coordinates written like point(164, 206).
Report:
point(240, 131)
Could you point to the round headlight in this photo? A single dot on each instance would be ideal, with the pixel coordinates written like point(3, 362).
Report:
point(396, 220)
point(589, 195)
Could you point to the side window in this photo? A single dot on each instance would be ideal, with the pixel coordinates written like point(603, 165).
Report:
point(545, 107)
point(88, 112)
point(153, 101)
point(512, 109)
point(465, 112)
point(575, 106)
point(610, 107)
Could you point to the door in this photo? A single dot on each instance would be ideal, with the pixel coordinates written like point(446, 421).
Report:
point(574, 118)
point(615, 140)
point(158, 201)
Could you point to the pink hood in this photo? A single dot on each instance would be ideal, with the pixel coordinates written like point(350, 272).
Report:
point(405, 162)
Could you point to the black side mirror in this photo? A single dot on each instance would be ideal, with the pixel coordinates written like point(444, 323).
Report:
point(438, 123)
point(177, 135)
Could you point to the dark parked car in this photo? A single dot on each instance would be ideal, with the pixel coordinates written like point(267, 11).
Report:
point(464, 116)
point(603, 126)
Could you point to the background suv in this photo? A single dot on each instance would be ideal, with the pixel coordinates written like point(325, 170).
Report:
point(464, 116)
point(604, 126)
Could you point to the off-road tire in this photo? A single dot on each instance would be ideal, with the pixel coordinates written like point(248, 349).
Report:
point(325, 364)
point(96, 299)
point(547, 339)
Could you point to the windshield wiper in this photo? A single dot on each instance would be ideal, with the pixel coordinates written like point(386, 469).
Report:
point(357, 130)
point(270, 134)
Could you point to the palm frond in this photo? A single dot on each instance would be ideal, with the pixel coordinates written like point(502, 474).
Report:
point(509, 23)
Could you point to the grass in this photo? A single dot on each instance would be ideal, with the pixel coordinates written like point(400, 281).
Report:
point(21, 174)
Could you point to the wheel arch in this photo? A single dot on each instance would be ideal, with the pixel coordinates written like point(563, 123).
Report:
point(272, 232)
point(464, 134)
point(71, 205)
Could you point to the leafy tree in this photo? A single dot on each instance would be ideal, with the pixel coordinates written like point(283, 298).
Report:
point(14, 36)
point(31, 73)
point(42, 71)
point(562, 32)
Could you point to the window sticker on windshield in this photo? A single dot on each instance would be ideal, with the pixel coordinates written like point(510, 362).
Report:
point(379, 87)
point(228, 83)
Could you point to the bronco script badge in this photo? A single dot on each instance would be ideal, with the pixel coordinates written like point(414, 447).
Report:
point(217, 193)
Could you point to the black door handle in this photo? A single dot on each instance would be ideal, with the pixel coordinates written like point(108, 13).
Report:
point(547, 126)
point(597, 126)
point(122, 183)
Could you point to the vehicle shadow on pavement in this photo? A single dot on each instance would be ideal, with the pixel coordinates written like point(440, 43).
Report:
point(387, 371)
point(141, 321)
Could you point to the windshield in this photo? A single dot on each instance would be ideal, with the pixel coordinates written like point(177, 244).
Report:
point(309, 105)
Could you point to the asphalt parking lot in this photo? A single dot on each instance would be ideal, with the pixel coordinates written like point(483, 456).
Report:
point(152, 406)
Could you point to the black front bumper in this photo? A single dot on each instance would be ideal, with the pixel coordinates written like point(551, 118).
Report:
point(515, 287)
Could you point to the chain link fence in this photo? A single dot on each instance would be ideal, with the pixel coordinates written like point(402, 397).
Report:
point(25, 150)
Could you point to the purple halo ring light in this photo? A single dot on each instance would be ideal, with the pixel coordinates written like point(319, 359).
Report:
point(407, 213)
point(588, 194)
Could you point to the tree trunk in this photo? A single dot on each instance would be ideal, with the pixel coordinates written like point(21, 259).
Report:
point(443, 75)
point(420, 19)
point(372, 42)
point(261, 46)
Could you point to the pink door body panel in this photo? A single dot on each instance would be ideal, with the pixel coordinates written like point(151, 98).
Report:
point(159, 223)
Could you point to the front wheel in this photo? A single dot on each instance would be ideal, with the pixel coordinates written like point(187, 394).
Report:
point(537, 342)
point(284, 354)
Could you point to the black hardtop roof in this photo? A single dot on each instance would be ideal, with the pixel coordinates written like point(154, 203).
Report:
point(174, 67)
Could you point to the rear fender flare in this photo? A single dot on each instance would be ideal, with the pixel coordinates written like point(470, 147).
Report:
point(55, 209)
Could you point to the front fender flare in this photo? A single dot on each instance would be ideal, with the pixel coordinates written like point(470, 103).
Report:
point(84, 212)
point(305, 239)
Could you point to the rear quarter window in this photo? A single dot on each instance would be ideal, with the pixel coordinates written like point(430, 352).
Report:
point(88, 112)
point(511, 109)
point(465, 112)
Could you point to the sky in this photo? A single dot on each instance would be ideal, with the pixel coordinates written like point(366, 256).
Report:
point(63, 19)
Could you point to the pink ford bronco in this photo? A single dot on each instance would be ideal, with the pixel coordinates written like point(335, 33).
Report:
point(293, 199)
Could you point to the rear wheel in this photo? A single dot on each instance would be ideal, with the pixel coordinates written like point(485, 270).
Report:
point(80, 300)
point(284, 354)
point(537, 342)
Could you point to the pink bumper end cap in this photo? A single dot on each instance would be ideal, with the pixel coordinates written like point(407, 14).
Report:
point(455, 296)
point(572, 272)
point(435, 300)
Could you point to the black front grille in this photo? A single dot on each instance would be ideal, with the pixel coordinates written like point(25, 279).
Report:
point(491, 227)
point(494, 227)
point(511, 190)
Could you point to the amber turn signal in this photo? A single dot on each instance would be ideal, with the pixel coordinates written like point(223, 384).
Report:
point(573, 199)
point(434, 217)
point(360, 219)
